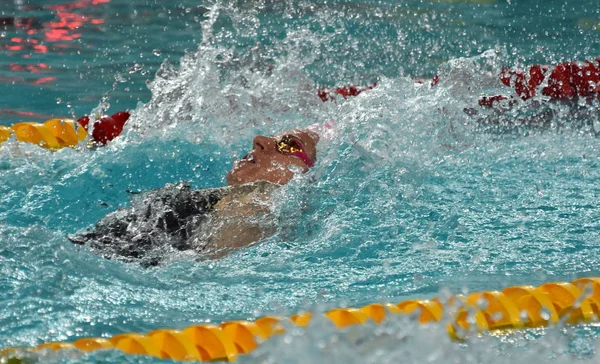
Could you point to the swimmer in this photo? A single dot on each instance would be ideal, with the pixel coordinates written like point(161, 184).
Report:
point(208, 223)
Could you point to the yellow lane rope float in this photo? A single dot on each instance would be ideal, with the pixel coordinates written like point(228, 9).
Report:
point(52, 134)
point(515, 307)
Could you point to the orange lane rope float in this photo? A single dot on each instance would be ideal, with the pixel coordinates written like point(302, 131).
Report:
point(60, 133)
point(517, 307)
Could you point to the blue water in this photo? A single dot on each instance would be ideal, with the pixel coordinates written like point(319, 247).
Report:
point(412, 197)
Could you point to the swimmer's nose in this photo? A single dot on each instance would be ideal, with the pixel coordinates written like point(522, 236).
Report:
point(263, 143)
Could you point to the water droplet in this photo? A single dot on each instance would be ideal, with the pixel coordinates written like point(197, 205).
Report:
point(545, 314)
point(497, 316)
point(120, 78)
point(136, 67)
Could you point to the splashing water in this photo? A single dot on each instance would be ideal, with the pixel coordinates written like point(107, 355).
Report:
point(410, 197)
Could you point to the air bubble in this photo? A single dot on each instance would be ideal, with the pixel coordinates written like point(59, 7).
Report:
point(482, 303)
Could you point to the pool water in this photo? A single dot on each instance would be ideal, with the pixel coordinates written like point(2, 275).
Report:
point(411, 197)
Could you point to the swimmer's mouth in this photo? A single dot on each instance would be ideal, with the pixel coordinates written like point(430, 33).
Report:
point(249, 158)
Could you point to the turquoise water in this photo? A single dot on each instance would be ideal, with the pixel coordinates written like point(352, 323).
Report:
point(412, 197)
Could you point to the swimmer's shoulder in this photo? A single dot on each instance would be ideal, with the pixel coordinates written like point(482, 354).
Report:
point(248, 191)
point(246, 199)
point(184, 187)
point(181, 198)
point(254, 187)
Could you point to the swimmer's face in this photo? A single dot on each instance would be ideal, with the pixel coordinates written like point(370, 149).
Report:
point(276, 158)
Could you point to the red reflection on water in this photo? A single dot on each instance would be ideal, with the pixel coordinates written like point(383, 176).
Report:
point(58, 35)
point(40, 48)
point(28, 114)
point(46, 37)
point(81, 4)
point(43, 80)
point(14, 47)
point(30, 69)
point(65, 28)
point(33, 68)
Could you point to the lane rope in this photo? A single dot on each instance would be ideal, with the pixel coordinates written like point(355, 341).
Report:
point(55, 134)
point(517, 307)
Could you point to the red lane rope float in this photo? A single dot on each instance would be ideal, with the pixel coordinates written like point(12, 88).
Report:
point(564, 81)
point(60, 133)
point(326, 94)
point(107, 128)
point(516, 307)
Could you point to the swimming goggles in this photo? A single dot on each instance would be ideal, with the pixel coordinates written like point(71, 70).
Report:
point(292, 145)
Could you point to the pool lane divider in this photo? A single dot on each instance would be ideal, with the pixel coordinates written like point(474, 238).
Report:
point(52, 134)
point(517, 307)
point(59, 133)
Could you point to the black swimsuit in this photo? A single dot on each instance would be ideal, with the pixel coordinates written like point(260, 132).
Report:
point(157, 221)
